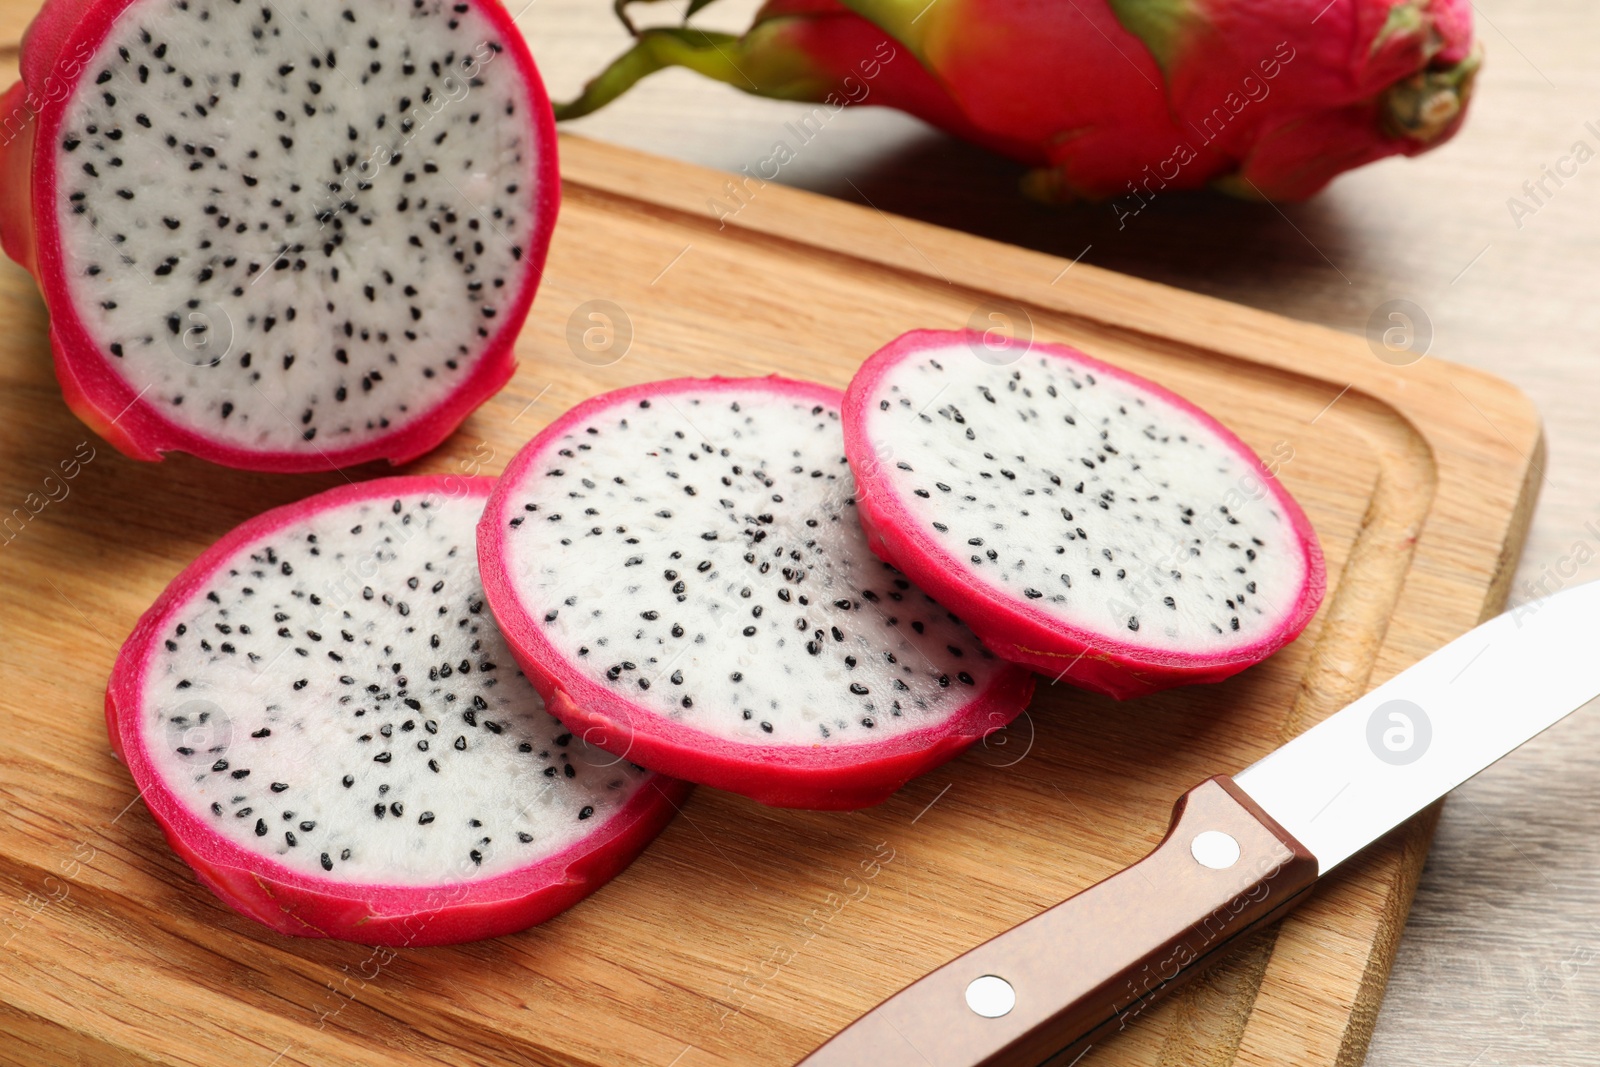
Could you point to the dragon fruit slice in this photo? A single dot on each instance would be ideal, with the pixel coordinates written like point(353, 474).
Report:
point(679, 569)
point(1118, 100)
point(330, 729)
point(281, 237)
point(1083, 520)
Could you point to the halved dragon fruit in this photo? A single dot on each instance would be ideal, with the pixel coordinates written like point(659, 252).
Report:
point(1083, 520)
point(680, 571)
point(278, 236)
point(323, 718)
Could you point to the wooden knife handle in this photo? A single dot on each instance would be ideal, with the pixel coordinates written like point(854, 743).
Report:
point(1091, 965)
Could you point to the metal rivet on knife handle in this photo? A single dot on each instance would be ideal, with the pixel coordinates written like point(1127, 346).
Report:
point(1214, 849)
point(991, 996)
point(1092, 964)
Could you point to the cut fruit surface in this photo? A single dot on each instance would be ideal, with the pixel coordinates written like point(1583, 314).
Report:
point(679, 568)
point(280, 237)
point(1081, 519)
point(324, 719)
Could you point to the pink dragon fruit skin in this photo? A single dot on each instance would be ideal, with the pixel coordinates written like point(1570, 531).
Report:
point(1114, 98)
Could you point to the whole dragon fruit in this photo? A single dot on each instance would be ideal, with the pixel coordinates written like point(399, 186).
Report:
point(1108, 98)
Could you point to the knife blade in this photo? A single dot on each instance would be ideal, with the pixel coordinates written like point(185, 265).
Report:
point(1240, 852)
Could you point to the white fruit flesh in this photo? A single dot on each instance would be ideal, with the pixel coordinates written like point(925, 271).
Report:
point(354, 647)
point(699, 555)
point(293, 227)
point(1074, 492)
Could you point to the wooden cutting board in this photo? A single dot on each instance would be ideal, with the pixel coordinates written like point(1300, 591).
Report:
point(737, 938)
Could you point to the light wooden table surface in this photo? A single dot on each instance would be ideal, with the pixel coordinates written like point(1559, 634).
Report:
point(1500, 962)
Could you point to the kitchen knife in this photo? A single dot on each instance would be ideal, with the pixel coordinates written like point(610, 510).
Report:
point(1240, 852)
